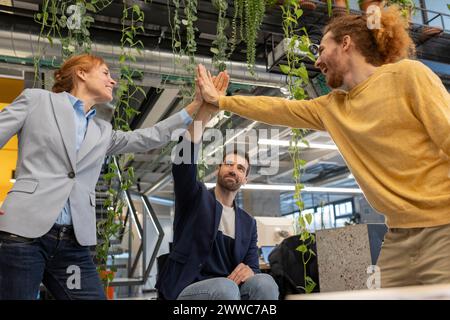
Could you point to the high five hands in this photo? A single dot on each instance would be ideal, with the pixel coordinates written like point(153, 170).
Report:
point(204, 110)
point(211, 88)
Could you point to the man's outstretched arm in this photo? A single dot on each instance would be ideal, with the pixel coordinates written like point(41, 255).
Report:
point(184, 168)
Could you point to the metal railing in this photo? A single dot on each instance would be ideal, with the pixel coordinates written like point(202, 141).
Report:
point(434, 15)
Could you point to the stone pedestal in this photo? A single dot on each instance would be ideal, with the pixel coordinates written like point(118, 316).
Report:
point(344, 254)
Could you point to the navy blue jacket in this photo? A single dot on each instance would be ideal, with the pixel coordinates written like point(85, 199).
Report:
point(196, 222)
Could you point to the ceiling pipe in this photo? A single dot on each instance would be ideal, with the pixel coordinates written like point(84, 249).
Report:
point(25, 46)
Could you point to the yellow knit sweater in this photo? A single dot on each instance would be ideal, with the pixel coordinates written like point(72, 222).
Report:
point(393, 130)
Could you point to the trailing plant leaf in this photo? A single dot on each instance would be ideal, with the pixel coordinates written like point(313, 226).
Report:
point(297, 78)
point(254, 12)
point(221, 42)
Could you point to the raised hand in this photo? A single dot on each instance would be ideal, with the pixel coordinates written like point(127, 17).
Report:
point(207, 110)
point(221, 82)
point(207, 87)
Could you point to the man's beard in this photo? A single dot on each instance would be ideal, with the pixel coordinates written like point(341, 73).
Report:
point(335, 80)
point(227, 184)
point(335, 74)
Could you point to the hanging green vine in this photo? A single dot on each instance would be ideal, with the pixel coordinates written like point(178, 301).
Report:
point(190, 12)
point(68, 21)
point(175, 25)
point(236, 28)
point(132, 23)
point(297, 78)
point(187, 47)
point(254, 13)
point(247, 14)
point(220, 44)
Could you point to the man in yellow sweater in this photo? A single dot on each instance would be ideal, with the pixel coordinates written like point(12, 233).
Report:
point(390, 118)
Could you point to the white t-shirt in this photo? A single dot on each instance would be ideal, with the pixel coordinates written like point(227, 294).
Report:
point(227, 222)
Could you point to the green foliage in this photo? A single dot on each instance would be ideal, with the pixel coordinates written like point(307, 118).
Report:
point(110, 228)
point(220, 44)
point(132, 23)
point(236, 28)
point(185, 47)
point(69, 21)
point(253, 16)
point(247, 14)
point(297, 78)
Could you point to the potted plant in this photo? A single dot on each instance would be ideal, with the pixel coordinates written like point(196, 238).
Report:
point(107, 276)
point(306, 4)
point(337, 7)
point(341, 7)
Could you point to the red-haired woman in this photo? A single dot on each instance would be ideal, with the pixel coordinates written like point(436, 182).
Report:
point(47, 221)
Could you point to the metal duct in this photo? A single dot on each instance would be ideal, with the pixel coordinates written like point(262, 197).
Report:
point(25, 46)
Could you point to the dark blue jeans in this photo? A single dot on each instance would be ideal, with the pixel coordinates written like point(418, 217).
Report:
point(55, 259)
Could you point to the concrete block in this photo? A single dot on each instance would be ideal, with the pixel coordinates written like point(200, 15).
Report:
point(344, 254)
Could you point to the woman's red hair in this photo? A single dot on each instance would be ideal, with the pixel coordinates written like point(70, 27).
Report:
point(66, 75)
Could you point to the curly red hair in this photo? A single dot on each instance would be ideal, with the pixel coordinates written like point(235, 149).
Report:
point(388, 44)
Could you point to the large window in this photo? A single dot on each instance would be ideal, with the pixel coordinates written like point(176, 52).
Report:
point(324, 217)
point(331, 215)
point(343, 212)
point(438, 6)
